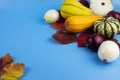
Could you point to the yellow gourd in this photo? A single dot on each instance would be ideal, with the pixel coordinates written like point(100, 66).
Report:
point(76, 24)
point(74, 8)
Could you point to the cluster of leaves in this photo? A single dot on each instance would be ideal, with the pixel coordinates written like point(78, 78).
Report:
point(10, 70)
point(63, 37)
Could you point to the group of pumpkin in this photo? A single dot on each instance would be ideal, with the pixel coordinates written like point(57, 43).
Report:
point(79, 18)
point(107, 27)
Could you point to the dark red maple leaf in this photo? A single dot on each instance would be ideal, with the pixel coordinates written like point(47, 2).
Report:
point(82, 39)
point(59, 25)
point(64, 37)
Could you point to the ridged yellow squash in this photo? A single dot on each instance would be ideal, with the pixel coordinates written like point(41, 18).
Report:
point(74, 8)
point(76, 24)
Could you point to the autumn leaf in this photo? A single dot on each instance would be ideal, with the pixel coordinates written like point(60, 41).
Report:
point(82, 39)
point(12, 71)
point(5, 60)
point(65, 37)
point(9, 69)
point(59, 25)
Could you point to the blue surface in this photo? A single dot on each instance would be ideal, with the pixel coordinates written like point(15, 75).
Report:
point(25, 35)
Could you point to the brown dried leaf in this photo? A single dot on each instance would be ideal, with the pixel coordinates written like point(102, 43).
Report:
point(5, 60)
point(65, 37)
point(10, 70)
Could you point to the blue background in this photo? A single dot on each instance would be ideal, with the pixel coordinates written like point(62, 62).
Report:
point(25, 35)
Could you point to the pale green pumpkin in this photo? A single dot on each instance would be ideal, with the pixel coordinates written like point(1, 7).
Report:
point(107, 27)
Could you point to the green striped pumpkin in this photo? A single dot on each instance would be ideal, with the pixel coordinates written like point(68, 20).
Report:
point(107, 27)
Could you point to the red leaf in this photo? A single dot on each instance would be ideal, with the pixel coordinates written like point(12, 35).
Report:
point(59, 25)
point(84, 2)
point(64, 37)
point(82, 39)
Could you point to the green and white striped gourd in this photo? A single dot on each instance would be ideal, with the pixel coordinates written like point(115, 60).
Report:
point(107, 27)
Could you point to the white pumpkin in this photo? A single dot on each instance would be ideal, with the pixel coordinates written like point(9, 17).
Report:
point(51, 16)
point(101, 7)
point(108, 51)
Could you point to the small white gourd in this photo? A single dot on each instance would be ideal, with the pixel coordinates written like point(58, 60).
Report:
point(51, 16)
point(108, 51)
point(101, 7)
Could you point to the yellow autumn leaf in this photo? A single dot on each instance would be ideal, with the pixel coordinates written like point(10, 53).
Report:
point(12, 71)
point(10, 78)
